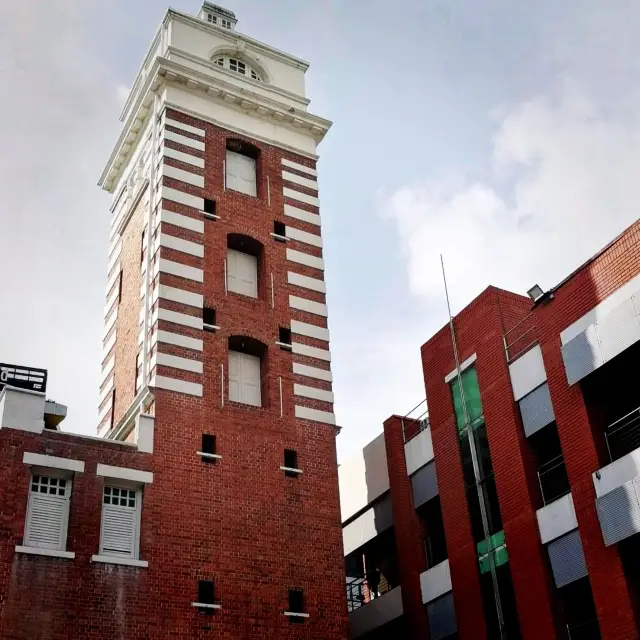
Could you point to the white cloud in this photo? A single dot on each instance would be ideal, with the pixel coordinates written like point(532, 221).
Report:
point(58, 119)
point(570, 173)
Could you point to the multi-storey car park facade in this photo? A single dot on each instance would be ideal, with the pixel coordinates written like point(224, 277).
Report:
point(208, 505)
point(531, 526)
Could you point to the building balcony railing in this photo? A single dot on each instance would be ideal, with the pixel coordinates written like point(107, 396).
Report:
point(589, 630)
point(520, 338)
point(553, 480)
point(415, 422)
point(623, 436)
point(360, 592)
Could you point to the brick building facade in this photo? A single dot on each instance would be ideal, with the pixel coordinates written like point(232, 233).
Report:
point(209, 505)
point(530, 528)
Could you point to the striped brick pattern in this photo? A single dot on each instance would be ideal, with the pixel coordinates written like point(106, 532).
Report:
point(305, 276)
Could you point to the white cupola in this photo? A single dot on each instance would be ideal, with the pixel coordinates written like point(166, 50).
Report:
point(215, 14)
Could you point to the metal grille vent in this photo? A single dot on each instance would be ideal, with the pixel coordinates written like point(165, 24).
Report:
point(536, 410)
point(567, 559)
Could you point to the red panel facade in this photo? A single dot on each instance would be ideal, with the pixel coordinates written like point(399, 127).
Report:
point(408, 534)
point(479, 330)
point(607, 272)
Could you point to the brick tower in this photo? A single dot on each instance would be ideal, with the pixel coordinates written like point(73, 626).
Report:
point(216, 325)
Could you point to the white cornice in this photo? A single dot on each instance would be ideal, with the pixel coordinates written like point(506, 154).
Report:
point(232, 36)
point(165, 72)
point(225, 73)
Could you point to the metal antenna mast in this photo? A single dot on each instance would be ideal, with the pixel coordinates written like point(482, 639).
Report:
point(468, 433)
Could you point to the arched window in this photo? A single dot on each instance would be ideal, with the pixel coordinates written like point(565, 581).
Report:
point(238, 66)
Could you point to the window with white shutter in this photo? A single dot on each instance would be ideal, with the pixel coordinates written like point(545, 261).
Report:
point(242, 273)
point(119, 531)
point(241, 173)
point(48, 512)
point(244, 378)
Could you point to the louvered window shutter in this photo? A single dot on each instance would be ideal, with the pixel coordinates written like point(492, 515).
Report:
point(235, 393)
point(241, 173)
point(48, 513)
point(251, 393)
point(242, 273)
point(120, 521)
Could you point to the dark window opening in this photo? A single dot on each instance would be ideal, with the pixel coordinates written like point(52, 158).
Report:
point(210, 206)
point(579, 611)
point(142, 247)
point(430, 515)
point(629, 550)
point(113, 409)
point(120, 287)
point(296, 604)
point(485, 467)
point(613, 403)
point(206, 592)
point(511, 623)
point(290, 462)
point(279, 228)
point(284, 336)
point(492, 507)
point(552, 473)
point(209, 318)
point(208, 444)
point(138, 373)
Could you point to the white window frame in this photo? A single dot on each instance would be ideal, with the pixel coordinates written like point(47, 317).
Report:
point(57, 474)
point(136, 488)
point(228, 63)
point(225, 23)
point(244, 360)
point(236, 283)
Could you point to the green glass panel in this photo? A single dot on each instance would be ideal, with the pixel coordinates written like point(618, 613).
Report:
point(495, 546)
point(471, 396)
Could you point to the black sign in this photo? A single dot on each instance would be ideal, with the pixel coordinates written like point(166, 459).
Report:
point(23, 377)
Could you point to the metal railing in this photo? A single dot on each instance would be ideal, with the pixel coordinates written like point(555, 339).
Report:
point(412, 425)
point(623, 436)
point(553, 480)
point(589, 630)
point(525, 334)
point(359, 592)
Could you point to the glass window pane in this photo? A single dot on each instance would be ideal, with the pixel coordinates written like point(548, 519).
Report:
point(471, 397)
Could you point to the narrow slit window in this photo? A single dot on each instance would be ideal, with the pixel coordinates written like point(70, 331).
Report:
point(296, 604)
point(208, 444)
point(206, 592)
point(209, 318)
point(210, 206)
point(290, 463)
point(279, 229)
point(284, 336)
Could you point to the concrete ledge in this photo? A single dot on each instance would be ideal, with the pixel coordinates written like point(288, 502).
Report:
point(51, 553)
point(51, 462)
point(128, 562)
point(122, 473)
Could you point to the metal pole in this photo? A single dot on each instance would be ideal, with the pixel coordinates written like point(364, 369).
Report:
point(468, 431)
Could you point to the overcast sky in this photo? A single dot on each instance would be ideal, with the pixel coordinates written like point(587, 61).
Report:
point(507, 139)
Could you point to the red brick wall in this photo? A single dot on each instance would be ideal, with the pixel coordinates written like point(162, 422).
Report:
point(610, 270)
point(479, 329)
point(411, 555)
point(240, 521)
